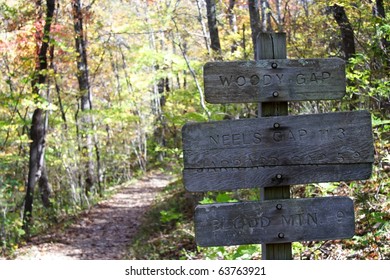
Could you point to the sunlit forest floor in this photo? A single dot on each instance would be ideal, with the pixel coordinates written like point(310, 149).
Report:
point(102, 233)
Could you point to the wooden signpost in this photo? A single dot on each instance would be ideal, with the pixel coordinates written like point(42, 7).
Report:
point(275, 151)
point(274, 80)
point(274, 221)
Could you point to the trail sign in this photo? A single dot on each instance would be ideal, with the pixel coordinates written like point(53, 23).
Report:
point(274, 221)
point(274, 80)
point(276, 151)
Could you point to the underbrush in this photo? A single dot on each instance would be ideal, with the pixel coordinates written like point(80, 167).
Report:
point(167, 232)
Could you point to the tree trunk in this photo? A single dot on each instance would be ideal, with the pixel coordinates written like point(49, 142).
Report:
point(255, 22)
point(213, 29)
point(38, 126)
point(348, 43)
point(201, 21)
point(231, 16)
point(379, 11)
point(279, 17)
point(305, 4)
point(232, 23)
point(265, 16)
point(346, 31)
point(183, 48)
point(44, 188)
point(85, 97)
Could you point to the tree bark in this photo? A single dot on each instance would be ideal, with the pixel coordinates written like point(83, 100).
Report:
point(200, 19)
point(85, 97)
point(213, 29)
point(44, 188)
point(346, 31)
point(232, 23)
point(231, 16)
point(379, 11)
point(183, 48)
point(279, 17)
point(39, 124)
point(255, 22)
point(348, 42)
point(265, 16)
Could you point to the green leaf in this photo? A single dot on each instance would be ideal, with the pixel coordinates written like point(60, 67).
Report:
point(194, 116)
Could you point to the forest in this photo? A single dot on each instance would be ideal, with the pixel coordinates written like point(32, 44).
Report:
point(95, 93)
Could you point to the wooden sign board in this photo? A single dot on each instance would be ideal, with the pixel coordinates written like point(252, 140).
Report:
point(274, 80)
point(274, 221)
point(277, 151)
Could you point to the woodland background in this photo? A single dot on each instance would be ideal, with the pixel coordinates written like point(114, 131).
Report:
point(94, 93)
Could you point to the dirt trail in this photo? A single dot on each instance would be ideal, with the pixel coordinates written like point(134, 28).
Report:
point(105, 231)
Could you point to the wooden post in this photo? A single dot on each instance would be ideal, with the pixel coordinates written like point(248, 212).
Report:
point(233, 154)
point(273, 46)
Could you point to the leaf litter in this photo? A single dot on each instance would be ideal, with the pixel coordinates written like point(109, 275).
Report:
point(105, 231)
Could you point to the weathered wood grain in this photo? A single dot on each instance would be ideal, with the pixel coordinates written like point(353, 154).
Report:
point(276, 151)
point(223, 179)
point(273, 45)
point(274, 221)
point(274, 80)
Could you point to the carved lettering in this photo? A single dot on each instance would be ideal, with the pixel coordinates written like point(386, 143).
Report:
point(269, 221)
point(278, 136)
point(255, 80)
point(312, 217)
point(280, 77)
point(340, 216)
point(235, 139)
point(340, 157)
point(356, 155)
point(325, 75)
point(217, 225)
point(321, 158)
point(225, 81)
point(214, 139)
point(242, 222)
point(271, 79)
point(237, 162)
point(264, 221)
point(250, 146)
point(267, 80)
point(313, 78)
point(300, 79)
point(257, 138)
point(226, 139)
point(300, 219)
point(291, 135)
point(273, 160)
point(240, 81)
point(302, 133)
point(251, 222)
point(324, 134)
point(341, 133)
point(288, 220)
